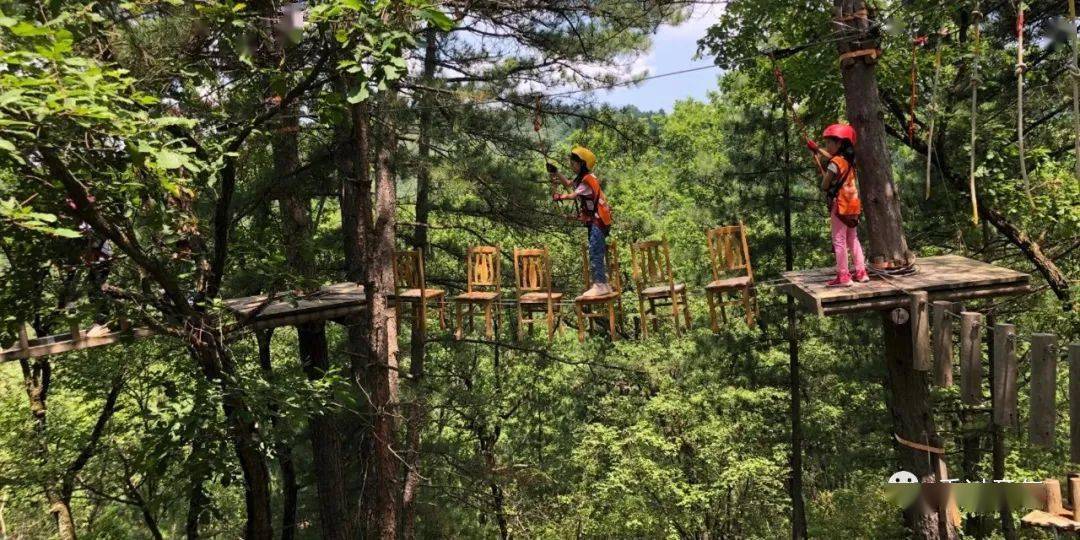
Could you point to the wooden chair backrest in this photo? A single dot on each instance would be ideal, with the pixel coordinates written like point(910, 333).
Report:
point(532, 270)
point(409, 270)
point(482, 263)
point(728, 251)
point(611, 264)
point(651, 261)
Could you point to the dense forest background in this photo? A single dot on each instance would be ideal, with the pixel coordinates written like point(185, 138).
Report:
point(226, 149)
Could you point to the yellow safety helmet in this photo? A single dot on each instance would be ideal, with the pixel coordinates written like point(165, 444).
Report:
point(585, 155)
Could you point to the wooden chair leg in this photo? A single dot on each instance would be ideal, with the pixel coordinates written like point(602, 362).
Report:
point(644, 319)
point(746, 307)
point(675, 313)
point(712, 312)
point(442, 313)
point(550, 319)
point(459, 330)
point(611, 321)
point(722, 303)
point(421, 317)
point(580, 321)
point(489, 323)
point(520, 322)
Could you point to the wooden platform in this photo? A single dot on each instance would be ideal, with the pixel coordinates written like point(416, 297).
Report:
point(946, 277)
point(1062, 521)
point(327, 303)
point(252, 313)
point(62, 343)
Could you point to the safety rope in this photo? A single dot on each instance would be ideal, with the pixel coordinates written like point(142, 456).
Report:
point(916, 44)
point(1021, 67)
point(933, 118)
point(1074, 72)
point(782, 84)
point(976, 16)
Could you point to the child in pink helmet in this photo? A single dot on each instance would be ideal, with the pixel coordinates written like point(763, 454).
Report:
point(840, 184)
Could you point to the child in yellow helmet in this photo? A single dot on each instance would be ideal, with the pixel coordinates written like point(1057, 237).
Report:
point(593, 209)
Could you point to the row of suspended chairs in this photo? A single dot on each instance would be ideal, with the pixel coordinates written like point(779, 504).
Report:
point(536, 300)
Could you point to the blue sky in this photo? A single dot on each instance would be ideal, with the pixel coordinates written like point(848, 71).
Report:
point(673, 49)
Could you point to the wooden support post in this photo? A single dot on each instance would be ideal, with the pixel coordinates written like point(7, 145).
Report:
point(1005, 375)
point(971, 358)
point(24, 338)
point(76, 332)
point(920, 331)
point(1074, 402)
point(1043, 417)
point(1052, 489)
point(943, 346)
point(1074, 495)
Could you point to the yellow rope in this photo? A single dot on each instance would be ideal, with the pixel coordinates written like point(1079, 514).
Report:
point(933, 119)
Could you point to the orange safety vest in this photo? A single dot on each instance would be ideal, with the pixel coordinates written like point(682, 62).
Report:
point(595, 208)
point(845, 189)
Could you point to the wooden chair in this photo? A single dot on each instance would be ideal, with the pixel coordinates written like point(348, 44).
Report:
point(605, 306)
point(411, 287)
point(655, 283)
point(482, 289)
point(532, 277)
point(731, 272)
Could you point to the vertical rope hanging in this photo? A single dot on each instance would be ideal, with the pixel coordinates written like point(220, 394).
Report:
point(1021, 67)
point(1074, 72)
point(976, 18)
point(933, 118)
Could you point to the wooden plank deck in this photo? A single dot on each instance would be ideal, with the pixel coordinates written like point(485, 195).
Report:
point(329, 302)
point(945, 277)
point(251, 312)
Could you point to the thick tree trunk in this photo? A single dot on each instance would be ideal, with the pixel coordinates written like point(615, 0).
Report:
point(908, 391)
point(37, 375)
point(417, 410)
point(383, 337)
point(208, 347)
point(286, 468)
point(297, 235)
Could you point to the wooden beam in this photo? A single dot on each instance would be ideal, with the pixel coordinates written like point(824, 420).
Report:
point(920, 331)
point(1005, 372)
point(1053, 496)
point(24, 337)
point(1043, 417)
point(1074, 495)
point(971, 358)
point(1074, 403)
point(943, 344)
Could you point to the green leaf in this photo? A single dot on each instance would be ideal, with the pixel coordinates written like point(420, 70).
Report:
point(167, 159)
point(360, 94)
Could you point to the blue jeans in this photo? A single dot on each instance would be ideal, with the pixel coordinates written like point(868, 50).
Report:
point(597, 252)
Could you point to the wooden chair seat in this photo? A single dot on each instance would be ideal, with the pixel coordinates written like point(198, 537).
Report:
point(539, 297)
point(662, 291)
point(476, 296)
point(414, 294)
point(730, 283)
point(598, 299)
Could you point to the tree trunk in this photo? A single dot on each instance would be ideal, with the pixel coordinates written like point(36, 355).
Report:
point(795, 486)
point(908, 391)
point(327, 457)
point(286, 468)
point(417, 411)
point(383, 336)
point(353, 161)
point(208, 347)
point(37, 375)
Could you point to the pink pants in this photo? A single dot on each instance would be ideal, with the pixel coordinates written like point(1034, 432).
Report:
point(843, 239)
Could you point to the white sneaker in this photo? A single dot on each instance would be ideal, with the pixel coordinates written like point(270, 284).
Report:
point(595, 290)
point(98, 330)
point(606, 289)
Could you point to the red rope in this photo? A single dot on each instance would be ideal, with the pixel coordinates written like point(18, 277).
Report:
point(791, 108)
